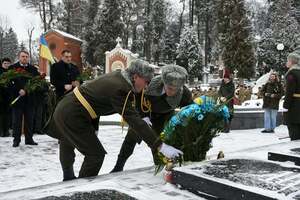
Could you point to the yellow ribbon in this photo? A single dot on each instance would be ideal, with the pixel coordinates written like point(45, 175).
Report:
point(85, 103)
point(145, 104)
point(124, 107)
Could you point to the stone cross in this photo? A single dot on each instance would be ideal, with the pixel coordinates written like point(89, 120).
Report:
point(118, 40)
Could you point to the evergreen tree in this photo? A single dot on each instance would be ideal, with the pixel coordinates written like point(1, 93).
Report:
point(109, 27)
point(159, 26)
point(72, 16)
point(22, 46)
point(10, 44)
point(284, 29)
point(236, 40)
point(171, 38)
point(189, 54)
point(90, 40)
point(138, 28)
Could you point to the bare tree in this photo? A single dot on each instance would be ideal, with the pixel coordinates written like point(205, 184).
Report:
point(29, 32)
point(45, 8)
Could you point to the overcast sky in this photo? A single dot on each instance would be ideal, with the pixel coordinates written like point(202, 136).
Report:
point(20, 19)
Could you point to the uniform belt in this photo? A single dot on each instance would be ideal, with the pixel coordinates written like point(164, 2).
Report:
point(296, 95)
point(85, 103)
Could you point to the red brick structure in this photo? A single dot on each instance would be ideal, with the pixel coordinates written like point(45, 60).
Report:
point(57, 42)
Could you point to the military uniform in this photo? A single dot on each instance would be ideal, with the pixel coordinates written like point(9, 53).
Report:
point(292, 101)
point(160, 109)
point(73, 120)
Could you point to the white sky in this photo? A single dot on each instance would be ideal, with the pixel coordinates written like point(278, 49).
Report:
point(20, 19)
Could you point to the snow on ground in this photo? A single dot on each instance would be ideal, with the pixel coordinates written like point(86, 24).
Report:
point(28, 166)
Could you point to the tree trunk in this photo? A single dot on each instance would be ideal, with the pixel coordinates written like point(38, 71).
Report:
point(147, 47)
point(181, 18)
point(51, 14)
point(44, 15)
point(30, 31)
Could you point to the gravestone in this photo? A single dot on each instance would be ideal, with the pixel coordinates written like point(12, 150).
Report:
point(291, 154)
point(94, 195)
point(240, 179)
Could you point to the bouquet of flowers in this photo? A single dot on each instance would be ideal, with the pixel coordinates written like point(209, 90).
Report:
point(86, 74)
point(36, 84)
point(192, 129)
point(7, 77)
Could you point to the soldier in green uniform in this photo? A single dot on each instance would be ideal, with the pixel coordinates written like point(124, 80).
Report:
point(111, 93)
point(292, 95)
point(164, 93)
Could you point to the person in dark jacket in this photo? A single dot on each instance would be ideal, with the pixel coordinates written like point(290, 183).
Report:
point(272, 92)
point(5, 113)
point(226, 94)
point(24, 106)
point(64, 74)
point(110, 93)
point(292, 96)
point(164, 93)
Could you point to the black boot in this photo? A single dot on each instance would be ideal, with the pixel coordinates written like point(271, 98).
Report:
point(16, 144)
point(69, 174)
point(119, 166)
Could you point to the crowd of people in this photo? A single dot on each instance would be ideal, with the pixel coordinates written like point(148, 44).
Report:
point(146, 102)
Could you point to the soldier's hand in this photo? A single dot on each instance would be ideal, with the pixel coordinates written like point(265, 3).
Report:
point(22, 92)
point(223, 99)
point(169, 151)
point(68, 87)
point(75, 83)
point(267, 94)
point(272, 95)
point(147, 120)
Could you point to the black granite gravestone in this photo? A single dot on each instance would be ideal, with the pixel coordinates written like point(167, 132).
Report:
point(292, 155)
point(94, 195)
point(240, 179)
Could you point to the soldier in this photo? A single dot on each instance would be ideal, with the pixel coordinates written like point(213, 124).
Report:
point(24, 106)
point(164, 93)
point(292, 95)
point(108, 94)
point(5, 113)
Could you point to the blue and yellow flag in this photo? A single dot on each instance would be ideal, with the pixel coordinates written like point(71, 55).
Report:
point(45, 51)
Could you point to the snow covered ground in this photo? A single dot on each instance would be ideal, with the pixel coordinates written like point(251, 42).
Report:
point(29, 166)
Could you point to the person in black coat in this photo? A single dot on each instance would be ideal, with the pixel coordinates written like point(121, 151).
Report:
point(4, 102)
point(63, 75)
point(292, 96)
point(25, 104)
point(226, 93)
point(272, 92)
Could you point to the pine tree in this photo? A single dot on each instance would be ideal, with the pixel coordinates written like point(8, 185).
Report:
point(236, 40)
point(72, 17)
point(90, 40)
point(284, 29)
point(10, 44)
point(189, 54)
point(22, 46)
point(171, 38)
point(110, 27)
point(159, 26)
